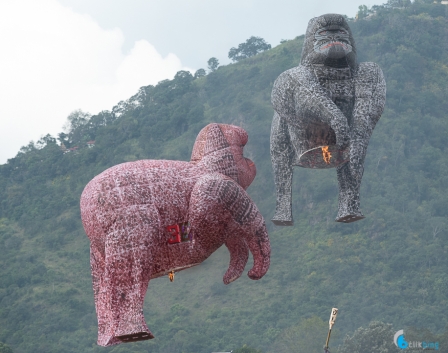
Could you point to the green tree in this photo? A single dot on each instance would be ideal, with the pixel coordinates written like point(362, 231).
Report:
point(308, 336)
point(398, 3)
point(443, 341)
point(4, 348)
point(45, 140)
point(363, 11)
point(63, 138)
point(199, 73)
point(76, 128)
point(246, 349)
point(378, 338)
point(75, 120)
point(182, 81)
point(213, 64)
point(251, 47)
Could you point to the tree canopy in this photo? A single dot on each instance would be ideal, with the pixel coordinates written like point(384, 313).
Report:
point(213, 64)
point(251, 47)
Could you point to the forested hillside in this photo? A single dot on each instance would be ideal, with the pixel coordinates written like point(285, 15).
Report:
point(392, 266)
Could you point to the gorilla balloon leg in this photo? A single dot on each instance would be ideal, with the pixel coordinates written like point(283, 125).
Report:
point(349, 179)
point(126, 276)
point(282, 155)
point(350, 174)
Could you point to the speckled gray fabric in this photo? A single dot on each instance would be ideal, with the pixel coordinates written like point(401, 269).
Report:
point(328, 100)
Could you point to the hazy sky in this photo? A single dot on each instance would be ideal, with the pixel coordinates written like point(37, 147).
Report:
point(58, 56)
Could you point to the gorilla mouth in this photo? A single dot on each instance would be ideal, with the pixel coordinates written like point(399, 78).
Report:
point(333, 49)
point(333, 44)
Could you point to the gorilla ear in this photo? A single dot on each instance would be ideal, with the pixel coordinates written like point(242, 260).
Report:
point(235, 135)
point(215, 139)
point(210, 139)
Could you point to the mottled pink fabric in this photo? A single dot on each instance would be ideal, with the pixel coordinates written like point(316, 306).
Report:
point(130, 211)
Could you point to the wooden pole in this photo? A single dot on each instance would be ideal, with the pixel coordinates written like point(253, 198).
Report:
point(334, 313)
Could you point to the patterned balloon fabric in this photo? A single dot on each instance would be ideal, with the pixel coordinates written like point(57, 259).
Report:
point(325, 112)
point(152, 218)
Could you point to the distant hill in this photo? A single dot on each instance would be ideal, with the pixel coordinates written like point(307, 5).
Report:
point(392, 266)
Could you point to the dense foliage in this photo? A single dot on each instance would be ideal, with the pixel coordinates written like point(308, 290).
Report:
point(251, 47)
point(212, 64)
point(375, 338)
point(389, 267)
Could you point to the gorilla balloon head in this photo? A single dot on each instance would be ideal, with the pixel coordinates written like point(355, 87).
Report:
point(333, 42)
point(213, 140)
point(329, 42)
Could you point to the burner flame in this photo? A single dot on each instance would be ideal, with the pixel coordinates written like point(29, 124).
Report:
point(326, 154)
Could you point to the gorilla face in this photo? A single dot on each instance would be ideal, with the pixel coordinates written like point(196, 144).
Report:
point(333, 42)
point(329, 42)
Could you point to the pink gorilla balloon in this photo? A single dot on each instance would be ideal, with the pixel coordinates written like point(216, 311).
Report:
point(147, 218)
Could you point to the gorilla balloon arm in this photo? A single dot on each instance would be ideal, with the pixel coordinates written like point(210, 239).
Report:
point(228, 210)
point(370, 98)
point(298, 98)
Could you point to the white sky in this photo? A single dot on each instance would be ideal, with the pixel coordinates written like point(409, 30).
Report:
point(58, 56)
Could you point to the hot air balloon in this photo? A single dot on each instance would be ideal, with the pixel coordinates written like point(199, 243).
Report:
point(325, 112)
point(152, 218)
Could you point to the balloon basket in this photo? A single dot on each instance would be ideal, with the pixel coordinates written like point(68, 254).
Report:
point(324, 157)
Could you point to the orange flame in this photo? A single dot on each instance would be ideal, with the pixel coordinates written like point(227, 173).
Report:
point(171, 276)
point(326, 154)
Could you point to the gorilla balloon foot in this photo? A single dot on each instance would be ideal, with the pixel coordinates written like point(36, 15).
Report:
point(282, 222)
point(139, 336)
point(107, 340)
point(350, 218)
point(283, 212)
point(282, 219)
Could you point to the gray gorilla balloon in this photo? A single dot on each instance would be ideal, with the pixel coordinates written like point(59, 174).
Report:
point(325, 112)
